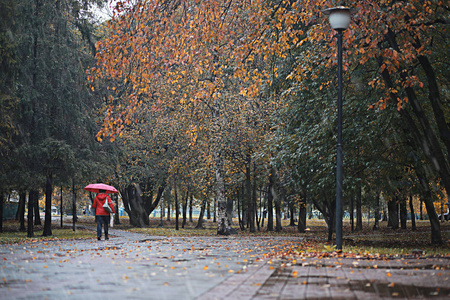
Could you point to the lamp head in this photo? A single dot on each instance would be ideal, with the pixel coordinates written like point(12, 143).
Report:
point(339, 17)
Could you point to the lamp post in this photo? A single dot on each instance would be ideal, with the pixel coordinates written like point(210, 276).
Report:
point(339, 18)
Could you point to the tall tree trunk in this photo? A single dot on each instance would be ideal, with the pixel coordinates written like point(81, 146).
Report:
point(291, 213)
point(74, 205)
point(2, 203)
point(37, 214)
point(33, 197)
point(239, 206)
point(270, 198)
point(61, 207)
point(223, 226)
point(244, 206)
point(277, 201)
point(359, 222)
point(133, 206)
point(21, 210)
point(184, 206)
point(331, 217)
point(436, 237)
point(403, 212)
point(255, 203)
point(302, 213)
point(248, 195)
point(48, 206)
point(191, 200)
point(352, 212)
point(413, 215)
point(425, 137)
point(214, 213)
point(393, 220)
point(435, 100)
point(168, 201)
point(376, 225)
point(200, 216)
point(230, 210)
point(264, 210)
point(161, 213)
point(177, 207)
point(385, 217)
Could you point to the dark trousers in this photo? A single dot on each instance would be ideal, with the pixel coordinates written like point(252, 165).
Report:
point(105, 221)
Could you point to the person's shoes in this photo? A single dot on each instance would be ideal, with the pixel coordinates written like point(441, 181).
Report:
point(99, 238)
point(106, 237)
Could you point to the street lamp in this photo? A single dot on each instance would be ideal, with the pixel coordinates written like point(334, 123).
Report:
point(339, 18)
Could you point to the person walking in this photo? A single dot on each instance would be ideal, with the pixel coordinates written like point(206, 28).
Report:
point(102, 215)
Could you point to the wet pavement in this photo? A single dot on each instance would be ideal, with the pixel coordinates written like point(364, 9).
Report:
point(138, 266)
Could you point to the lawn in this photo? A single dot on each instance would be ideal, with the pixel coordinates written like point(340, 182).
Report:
point(367, 242)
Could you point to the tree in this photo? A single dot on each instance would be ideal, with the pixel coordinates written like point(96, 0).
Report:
point(197, 56)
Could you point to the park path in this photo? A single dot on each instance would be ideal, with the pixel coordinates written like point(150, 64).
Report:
point(138, 266)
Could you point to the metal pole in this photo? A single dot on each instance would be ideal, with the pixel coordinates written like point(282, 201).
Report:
point(339, 157)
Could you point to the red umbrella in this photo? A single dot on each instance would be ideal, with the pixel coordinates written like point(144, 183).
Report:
point(95, 187)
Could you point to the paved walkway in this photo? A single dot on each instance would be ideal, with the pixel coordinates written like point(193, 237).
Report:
point(136, 266)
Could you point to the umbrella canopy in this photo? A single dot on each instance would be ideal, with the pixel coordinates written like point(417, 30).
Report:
point(95, 187)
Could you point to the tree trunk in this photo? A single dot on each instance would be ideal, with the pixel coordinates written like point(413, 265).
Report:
point(214, 213)
point(37, 215)
point(184, 206)
point(239, 206)
point(302, 214)
point(168, 202)
point(177, 207)
point(331, 218)
point(291, 213)
point(255, 204)
point(161, 213)
point(134, 208)
point(61, 207)
point(230, 210)
point(223, 226)
point(403, 212)
point(74, 205)
point(435, 100)
point(352, 211)
point(48, 206)
point(200, 216)
point(425, 137)
point(436, 237)
point(277, 201)
point(2, 203)
point(270, 198)
point(376, 225)
point(208, 210)
point(359, 222)
point(191, 200)
point(33, 197)
point(21, 210)
point(413, 215)
point(385, 218)
point(393, 221)
point(248, 196)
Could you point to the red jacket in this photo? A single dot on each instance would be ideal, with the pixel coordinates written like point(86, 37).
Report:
point(98, 205)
